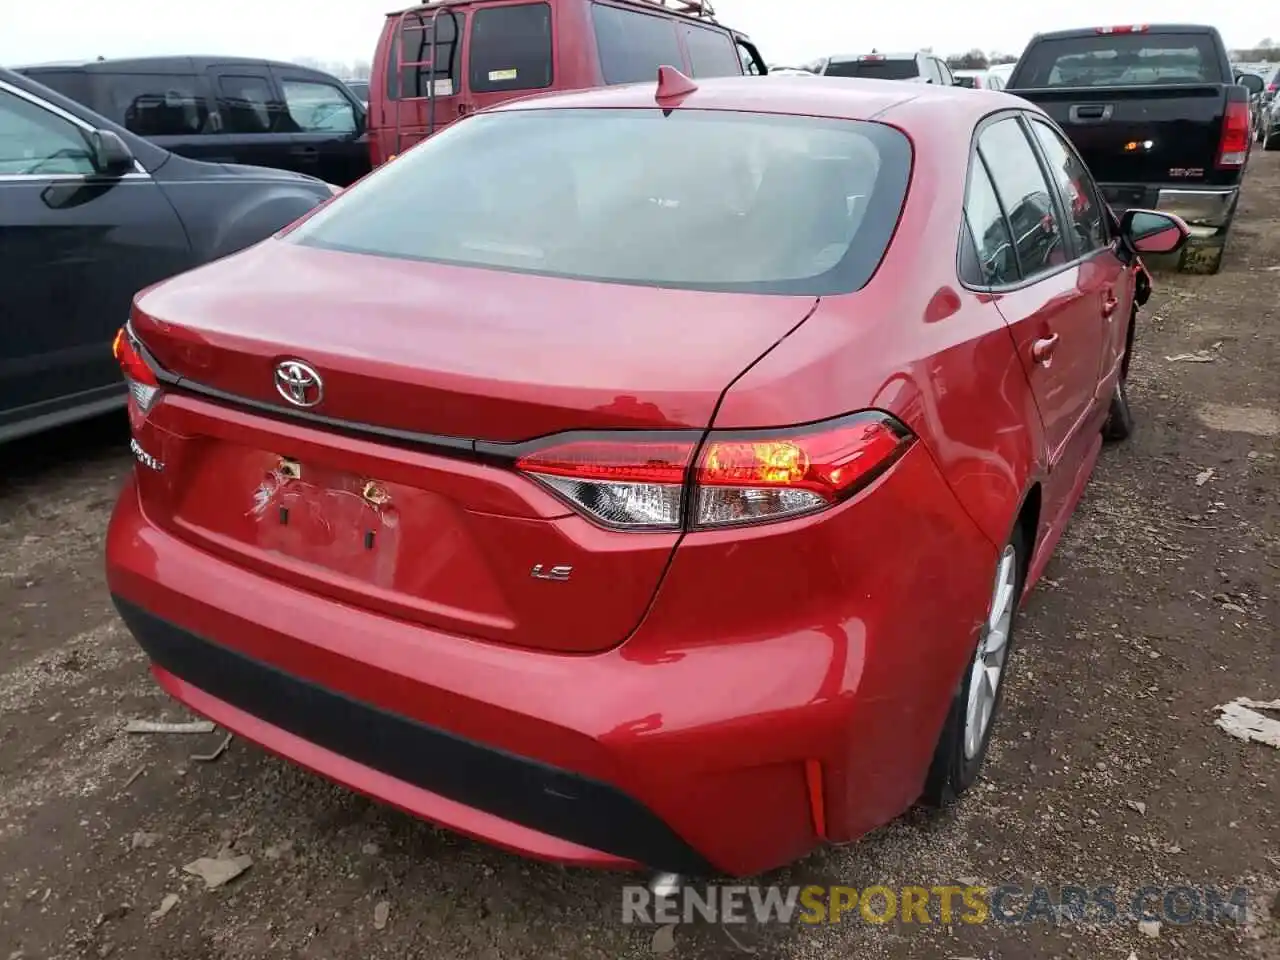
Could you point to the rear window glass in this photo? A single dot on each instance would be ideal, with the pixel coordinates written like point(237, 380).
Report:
point(697, 200)
point(69, 83)
point(874, 69)
point(510, 48)
point(713, 54)
point(416, 61)
point(157, 104)
point(1121, 60)
point(633, 45)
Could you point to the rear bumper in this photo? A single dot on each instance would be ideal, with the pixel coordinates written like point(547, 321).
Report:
point(1207, 211)
point(353, 742)
point(765, 704)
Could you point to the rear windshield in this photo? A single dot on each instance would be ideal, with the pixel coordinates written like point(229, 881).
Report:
point(695, 200)
point(874, 69)
point(1121, 60)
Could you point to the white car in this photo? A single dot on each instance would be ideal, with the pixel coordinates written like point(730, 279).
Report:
point(979, 79)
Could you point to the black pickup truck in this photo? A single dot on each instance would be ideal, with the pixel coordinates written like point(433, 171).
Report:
point(1156, 114)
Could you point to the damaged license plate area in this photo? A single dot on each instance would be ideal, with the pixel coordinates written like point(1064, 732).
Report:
point(388, 545)
point(335, 520)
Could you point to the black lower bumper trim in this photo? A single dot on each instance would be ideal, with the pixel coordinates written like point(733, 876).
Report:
point(524, 791)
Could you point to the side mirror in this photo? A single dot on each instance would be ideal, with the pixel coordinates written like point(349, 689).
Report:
point(1251, 82)
point(1146, 231)
point(111, 155)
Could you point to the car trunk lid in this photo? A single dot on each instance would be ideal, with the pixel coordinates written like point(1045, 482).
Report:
point(375, 495)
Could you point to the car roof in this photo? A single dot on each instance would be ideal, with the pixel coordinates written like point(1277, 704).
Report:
point(1147, 28)
point(181, 63)
point(848, 57)
point(649, 6)
point(834, 97)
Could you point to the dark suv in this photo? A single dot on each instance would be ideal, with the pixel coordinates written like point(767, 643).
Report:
point(228, 110)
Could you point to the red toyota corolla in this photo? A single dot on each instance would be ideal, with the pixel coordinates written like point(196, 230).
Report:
point(637, 477)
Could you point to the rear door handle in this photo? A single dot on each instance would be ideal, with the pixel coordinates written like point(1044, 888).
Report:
point(1109, 303)
point(1042, 350)
point(306, 151)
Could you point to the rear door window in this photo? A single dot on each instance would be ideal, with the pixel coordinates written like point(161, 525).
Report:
point(510, 48)
point(248, 104)
point(1124, 59)
point(987, 256)
point(1025, 195)
point(157, 104)
point(712, 53)
point(634, 45)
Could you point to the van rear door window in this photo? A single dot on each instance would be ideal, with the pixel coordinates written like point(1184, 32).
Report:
point(510, 48)
point(414, 47)
point(634, 45)
point(712, 53)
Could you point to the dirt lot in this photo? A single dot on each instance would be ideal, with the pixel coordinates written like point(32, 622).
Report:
point(1161, 603)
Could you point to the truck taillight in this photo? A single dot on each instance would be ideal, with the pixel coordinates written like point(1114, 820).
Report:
point(739, 477)
point(1233, 149)
point(1126, 28)
point(144, 387)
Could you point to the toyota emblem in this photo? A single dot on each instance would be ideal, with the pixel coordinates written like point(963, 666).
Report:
point(299, 383)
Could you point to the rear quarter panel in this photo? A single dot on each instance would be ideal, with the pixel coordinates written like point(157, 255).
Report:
point(940, 357)
point(916, 343)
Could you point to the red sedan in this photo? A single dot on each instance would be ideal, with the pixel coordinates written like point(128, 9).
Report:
point(636, 477)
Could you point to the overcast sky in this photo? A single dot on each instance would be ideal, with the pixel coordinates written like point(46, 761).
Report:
point(786, 31)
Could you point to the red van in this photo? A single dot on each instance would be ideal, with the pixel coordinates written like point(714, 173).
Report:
point(442, 60)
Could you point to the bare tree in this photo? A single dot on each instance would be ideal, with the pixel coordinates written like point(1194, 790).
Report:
point(1266, 51)
point(975, 59)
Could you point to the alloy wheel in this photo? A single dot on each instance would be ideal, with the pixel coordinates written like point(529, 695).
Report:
point(987, 670)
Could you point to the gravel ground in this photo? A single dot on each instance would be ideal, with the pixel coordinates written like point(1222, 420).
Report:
point(1107, 769)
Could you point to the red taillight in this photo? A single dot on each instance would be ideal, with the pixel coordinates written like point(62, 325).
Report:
point(620, 483)
point(871, 56)
point(740, 477)
point(1233, 149)
point(1272, 87)
point(143, 385)
point(1127, 28)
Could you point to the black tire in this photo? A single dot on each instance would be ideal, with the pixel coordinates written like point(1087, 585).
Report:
point(1119, 423)
point(951, 772)
point(1269, 140)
